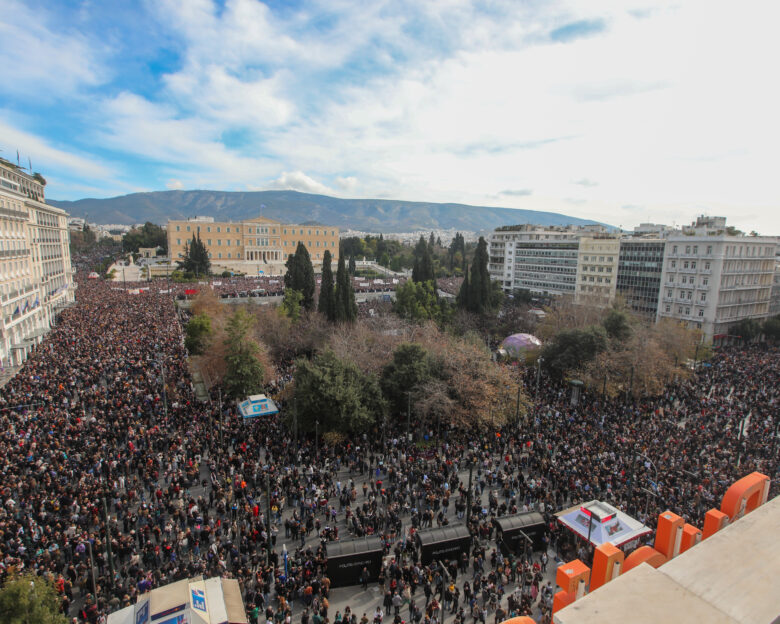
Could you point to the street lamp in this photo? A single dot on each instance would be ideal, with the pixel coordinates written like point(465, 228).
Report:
point(655, 471)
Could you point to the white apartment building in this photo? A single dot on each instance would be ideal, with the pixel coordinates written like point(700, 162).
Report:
point(36, 279)
point(597, 270)
point(711, 280)
point(540, 259)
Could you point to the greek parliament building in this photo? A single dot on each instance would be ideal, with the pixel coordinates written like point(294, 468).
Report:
point(36, 278)
point(258, 246)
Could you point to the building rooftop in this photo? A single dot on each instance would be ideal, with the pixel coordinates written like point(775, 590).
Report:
point(731, 577)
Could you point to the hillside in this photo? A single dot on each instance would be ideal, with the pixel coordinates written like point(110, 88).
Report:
point(375, 215)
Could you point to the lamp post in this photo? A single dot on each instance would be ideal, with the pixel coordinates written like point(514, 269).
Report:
point(408, 413)
point(92, 567)
point(468, 492)
point(109, 552)
point(655, 474)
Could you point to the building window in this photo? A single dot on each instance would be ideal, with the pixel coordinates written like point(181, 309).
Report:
point(208, 229)
point(219, 255)
point(229, 255)
point(188, 228)
point(178, 228)
point(178, 241)
point(687, 249)
point(696, 250)
point(703, 297)
point(227, 229)
point(709, 249)
point(687, 311)
point(705, 281)
point(674, 249)
point(707, 266)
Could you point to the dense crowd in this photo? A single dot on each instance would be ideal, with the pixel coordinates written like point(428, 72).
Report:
point(97, 451)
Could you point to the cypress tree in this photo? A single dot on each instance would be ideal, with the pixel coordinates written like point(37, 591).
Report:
point(327, 302)
point(300, 275)
point(346, 307)
point(464, 294)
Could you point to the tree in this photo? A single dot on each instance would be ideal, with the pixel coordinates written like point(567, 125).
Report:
point(148, 235)
point(352, 266)
point(422, 270)
point(417, 301)
point(408, 370)
point(291, 304)
point(198, 332)
point(244, 372)
point(346, 308)
point(771, 328)
point(747, 329)
point(29, 599)
point(327, 302)
point(571, 349)
point(617, 326)
point(300, 275)
point(196, 257)
point(479, 294)
point(338, 394)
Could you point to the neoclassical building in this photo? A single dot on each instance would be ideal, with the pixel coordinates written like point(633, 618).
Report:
point(258, 246)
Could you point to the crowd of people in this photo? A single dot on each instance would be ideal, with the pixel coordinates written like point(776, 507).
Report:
point(113, 480)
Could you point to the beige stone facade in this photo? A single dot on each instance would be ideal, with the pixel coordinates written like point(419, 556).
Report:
point(258, 246)
point(597, 268)
point(36, 278)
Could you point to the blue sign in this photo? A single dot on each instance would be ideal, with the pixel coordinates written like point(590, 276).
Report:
point(198, 600)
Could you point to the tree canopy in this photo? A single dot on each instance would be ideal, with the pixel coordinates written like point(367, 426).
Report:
point(244, 371)
point(300, 275)
point(198, 331)
point(478, 293)
point(417, 301)
point(327, 301)
point(408, 371)
point(337, 393)
point(345, 305)
point(29, 599)
point(196, 257)
point(148, 235)
point(423, 270)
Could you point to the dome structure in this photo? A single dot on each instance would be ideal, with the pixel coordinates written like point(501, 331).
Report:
point(517, 345)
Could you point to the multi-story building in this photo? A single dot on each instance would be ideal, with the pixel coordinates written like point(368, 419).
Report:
point(639, 271)
point(540, 259)
point(258, 246)
point(712, 280)
point(597, 270)
point(36, 278)
point(774, 302)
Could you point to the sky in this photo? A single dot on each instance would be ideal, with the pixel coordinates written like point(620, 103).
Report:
point(623, 111)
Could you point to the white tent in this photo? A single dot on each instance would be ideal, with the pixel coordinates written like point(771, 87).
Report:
point(600, 522)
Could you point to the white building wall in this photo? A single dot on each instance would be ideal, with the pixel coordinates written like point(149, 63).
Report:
point(713, 282)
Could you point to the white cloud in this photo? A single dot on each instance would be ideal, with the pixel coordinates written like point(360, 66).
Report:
point(450, 100)
point(174, 185)
point(43, 59)
point(299, 181)
point(46, 157)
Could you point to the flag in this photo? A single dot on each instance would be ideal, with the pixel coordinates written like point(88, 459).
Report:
point(16, 311)
point(17, 157)
point(29, 162)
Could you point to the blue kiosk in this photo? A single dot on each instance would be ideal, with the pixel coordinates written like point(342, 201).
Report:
point(257, 405)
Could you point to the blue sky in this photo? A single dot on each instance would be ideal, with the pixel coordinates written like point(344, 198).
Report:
point(622, 111)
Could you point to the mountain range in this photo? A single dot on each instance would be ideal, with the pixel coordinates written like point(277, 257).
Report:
point(369, 215)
